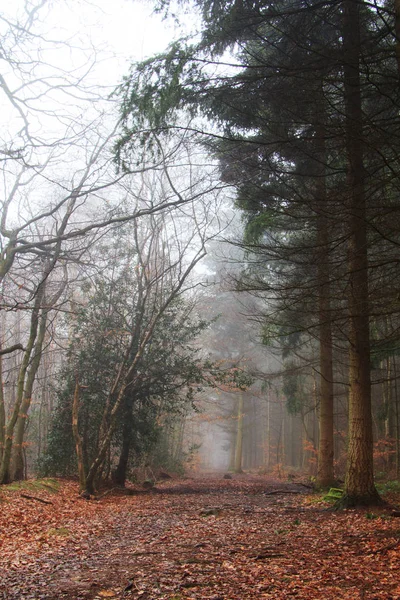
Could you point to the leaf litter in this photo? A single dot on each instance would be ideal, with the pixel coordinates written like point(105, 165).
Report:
point(203, 538)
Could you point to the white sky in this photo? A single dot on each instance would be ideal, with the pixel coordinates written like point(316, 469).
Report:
point(69, 39)
point(108, 35)
point(41, 70)
point(121, 30)
point(125, 28)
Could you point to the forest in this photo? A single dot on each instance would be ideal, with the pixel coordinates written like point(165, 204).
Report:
point(200, 299)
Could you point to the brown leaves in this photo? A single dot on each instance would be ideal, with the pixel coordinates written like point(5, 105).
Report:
point(161, 546)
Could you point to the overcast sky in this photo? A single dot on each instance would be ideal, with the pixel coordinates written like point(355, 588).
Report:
point(51, 77)
point(92, 41)
point(127, 29)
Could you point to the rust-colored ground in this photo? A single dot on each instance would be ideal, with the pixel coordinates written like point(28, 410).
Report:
point(205, 538)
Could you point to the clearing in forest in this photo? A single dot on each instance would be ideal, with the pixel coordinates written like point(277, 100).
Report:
point(245, 538)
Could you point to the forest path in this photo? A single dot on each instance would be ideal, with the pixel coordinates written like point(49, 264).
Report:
point(199, 539)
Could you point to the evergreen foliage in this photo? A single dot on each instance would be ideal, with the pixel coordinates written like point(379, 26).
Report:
point(306, 128)
point(169, 373)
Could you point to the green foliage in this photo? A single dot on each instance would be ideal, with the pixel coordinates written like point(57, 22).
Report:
point(105, 334)
point(288, 75)
point(280, 114)
point(333, 495)
point(270, 333)
point(150, 96)
point(257, 226)
point(59, 459)
point(282, 333)
point(234, 378)
point(293, 389)
point(48, 484)
point(388, 486)
point(383, 349)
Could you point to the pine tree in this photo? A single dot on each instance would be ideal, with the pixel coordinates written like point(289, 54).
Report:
point(310, 84)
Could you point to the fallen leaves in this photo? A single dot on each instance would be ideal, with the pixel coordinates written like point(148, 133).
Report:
point(199, 539)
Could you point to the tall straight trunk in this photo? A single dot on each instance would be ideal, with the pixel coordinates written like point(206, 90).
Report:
point(239, 436)
point(2, 411)
point(232, 449)
point(78, 439)
point(9, 429)
point(267, 442)
point(280, 444)
point(254, 437)
point(120, 474)
point(387, 399)
point(359, 481)
point(397, 419)
point(325, 474)
point(178, 435)
point(17, 460)
point(122, 467)
point(397, 32)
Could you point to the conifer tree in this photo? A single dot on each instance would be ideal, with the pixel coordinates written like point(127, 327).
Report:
point(302, 119)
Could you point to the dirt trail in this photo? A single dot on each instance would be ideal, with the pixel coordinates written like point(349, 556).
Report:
point(208, 538)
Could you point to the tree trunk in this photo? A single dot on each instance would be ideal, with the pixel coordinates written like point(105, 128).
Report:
point(2, 411)
point(325, 475)
point(77, 439)
point(359, 481)
point(397, 419)
point(119, 476)
point(178, 437)
point(121, 470)
point(126, 376)
point(397, 32)
point(267, 447)
point(17, 461)
point(239, 436)
point(9, 430)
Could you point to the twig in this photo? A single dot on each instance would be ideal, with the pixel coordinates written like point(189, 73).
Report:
point(145, 553)
point(35, 498)
point(283, 492)
point(265, 556)
point(106, 493)
point(388, 547)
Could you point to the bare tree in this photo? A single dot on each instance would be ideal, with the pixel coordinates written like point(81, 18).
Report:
point(61, 193)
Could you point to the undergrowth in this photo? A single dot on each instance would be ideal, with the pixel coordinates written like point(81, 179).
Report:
point(50, 485)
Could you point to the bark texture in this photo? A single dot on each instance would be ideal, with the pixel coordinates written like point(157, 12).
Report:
point(10, 427)
point(77, 439)
point(359, 482)
point(325, 474)
point(239, 436)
